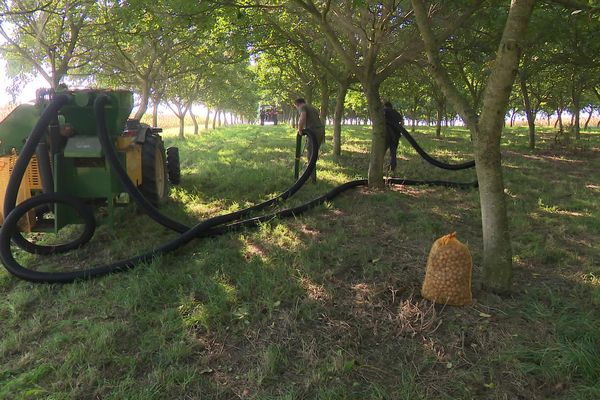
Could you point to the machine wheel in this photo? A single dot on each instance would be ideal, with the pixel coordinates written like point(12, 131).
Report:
point(173, 167)
point(155, 185)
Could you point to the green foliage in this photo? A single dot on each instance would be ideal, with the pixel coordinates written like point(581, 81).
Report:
point(45, 37)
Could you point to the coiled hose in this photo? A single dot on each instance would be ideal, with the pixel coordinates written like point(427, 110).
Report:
point(209, 227)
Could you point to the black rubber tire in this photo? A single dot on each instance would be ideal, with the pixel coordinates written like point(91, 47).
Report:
point(173, 166)
point(155, 183)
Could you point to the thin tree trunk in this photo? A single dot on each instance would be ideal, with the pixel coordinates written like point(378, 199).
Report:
point(219, 117)
point(144, 100)
point(324, 88)
point(441, 107)
point(527, 105)
point(155, 103)
point(589, 117)
point(207, 120)
point(308, 94)
point(337, 118)
point(215, 119)
point(195, 121)
point(181, 126)
point(559, 120)
point(576, 97)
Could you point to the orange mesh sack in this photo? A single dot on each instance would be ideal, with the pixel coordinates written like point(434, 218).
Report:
point(448, 274)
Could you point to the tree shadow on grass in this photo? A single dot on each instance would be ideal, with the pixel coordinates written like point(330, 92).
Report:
point(327, 305)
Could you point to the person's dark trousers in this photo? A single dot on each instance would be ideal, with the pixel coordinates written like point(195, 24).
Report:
point(392, 142)
point(393, 154)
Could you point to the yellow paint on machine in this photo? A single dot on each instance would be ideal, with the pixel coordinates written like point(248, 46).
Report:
point(31, 181)
point(133, 157)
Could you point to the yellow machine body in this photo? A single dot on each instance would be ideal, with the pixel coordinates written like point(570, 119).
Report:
point(31, 181)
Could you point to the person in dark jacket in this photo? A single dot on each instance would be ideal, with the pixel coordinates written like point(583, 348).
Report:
point(310, 120)
point(393, 122)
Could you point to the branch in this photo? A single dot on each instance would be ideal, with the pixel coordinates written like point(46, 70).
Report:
point(26, 55)
point(329, 34)
point(440, 75)
point(409, 52)
point(575, 5)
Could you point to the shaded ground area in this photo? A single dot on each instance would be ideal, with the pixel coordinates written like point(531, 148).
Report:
point(325, 305)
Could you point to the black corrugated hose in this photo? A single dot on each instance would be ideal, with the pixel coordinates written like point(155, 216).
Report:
point(209, 227)
point(431, 160)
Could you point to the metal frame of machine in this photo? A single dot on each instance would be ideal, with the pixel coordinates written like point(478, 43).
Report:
point(70, 158)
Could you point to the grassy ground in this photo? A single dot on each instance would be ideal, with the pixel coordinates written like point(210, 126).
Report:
point(327, 305)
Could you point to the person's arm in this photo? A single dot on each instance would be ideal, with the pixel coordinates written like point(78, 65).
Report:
point(396, 118)
point(301, 122)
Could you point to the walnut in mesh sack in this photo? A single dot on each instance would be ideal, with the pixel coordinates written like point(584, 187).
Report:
point(448, 273)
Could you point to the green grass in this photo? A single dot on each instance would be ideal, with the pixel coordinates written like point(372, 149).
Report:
point(325, 305)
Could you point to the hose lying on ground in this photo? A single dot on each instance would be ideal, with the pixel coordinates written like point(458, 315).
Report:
point(208, 227)
point(431, 160)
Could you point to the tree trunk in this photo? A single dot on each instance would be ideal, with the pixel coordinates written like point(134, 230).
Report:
point(487, 133)
point(219, 117)
point(559, 120)
point(375, 174)
point(308, 94)
point(576, 97)
point(155, 103)
point(337, 118)
point(207, 120)
point(513, 115)
point(181, 126)
point(144, 99)
point(497, 252)
point(441, 107)
point(195, 121)
point(214, 124)
point(324, 88)
point(589, 117)
point(527, 105)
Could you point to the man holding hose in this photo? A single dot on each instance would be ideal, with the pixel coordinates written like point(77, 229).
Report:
point(309, 119)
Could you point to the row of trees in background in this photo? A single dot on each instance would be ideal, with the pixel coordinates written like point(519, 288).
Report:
point(177, 53)
point(180, 53)
point(559, 71)
point(475, 60)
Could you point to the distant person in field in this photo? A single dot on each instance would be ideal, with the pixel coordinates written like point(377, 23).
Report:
point(393, 122)
point(309, 120)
